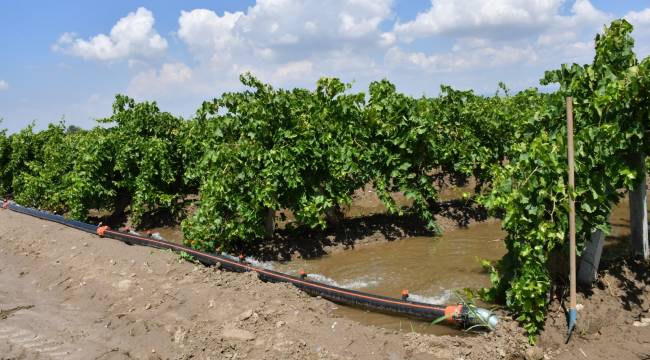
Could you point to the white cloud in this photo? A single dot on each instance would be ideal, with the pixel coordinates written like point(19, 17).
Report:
point(387, 39)
point(490, 18)
point(506, 21)
point(641, 22)
point(570, 37)
point(294, 70)
point(287, 42)
point(639, 17)
point(132, 36)
point(160, 82)
point(583, 12)
point(464, 56)
point(285, 30)
point(469, 44)
point(363, 19)
point(500, 33)
point(207, 33)
point(294, 42)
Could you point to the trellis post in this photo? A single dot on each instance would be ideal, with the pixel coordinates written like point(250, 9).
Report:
point(639, 210)
point(590, 258)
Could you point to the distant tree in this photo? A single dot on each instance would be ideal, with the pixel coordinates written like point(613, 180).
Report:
point(73, 129)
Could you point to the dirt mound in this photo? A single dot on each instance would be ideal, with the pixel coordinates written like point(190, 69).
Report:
point(613, 317)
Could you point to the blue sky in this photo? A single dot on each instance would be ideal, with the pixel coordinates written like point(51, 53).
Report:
point(67, 59)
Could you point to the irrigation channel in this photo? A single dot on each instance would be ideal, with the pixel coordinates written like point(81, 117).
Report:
point(461, 314)
point(433, 269)
point(430, 268)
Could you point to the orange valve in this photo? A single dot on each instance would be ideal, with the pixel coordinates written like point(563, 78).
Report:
point(101, 230)
point(453, 313)
point(302, 273)
point(405, 294)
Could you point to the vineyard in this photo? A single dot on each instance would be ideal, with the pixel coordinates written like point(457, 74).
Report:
point(225, 172)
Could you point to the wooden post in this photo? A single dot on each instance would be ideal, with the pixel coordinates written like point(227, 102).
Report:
point(639, 211)
point(572, 218)
point(269, 224)
point(333, 215)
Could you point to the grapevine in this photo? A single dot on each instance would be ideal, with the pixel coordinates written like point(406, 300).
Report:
point(611, 112)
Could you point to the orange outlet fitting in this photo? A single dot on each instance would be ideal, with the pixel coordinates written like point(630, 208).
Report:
point(101, 230)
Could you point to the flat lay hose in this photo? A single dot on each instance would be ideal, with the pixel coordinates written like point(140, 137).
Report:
point(461, 315)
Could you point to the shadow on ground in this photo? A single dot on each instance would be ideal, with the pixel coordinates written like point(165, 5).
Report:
point(461, 212)
point(307, 243)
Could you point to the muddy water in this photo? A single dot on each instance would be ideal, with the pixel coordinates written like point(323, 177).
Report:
point(430, 268)
point(173, 234)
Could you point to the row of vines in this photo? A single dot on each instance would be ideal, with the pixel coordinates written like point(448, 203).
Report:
point(250, 153)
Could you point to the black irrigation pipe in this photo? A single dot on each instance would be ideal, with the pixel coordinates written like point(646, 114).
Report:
point(460, 315)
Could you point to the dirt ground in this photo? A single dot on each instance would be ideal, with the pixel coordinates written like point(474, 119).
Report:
point(613, 317)
point(65, 294)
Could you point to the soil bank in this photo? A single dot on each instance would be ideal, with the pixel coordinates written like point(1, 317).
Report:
point(65, 294)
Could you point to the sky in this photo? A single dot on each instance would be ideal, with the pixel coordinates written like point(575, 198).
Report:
point(66, 60)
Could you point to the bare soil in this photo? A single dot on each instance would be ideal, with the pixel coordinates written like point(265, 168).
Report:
point(65, 294)
point(613, 317)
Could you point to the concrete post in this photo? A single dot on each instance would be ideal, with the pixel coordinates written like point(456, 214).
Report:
point(639, 212)
point(590, 258)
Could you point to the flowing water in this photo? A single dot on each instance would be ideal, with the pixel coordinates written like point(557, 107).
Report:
point(430, 268)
